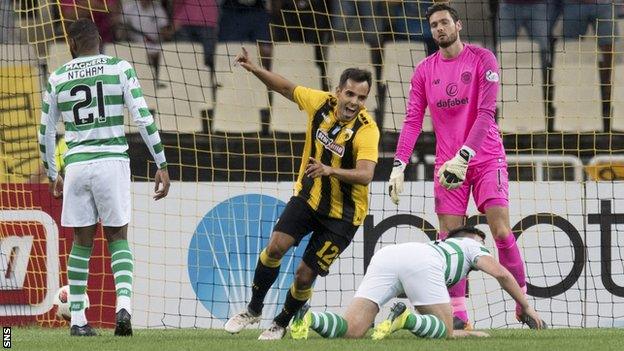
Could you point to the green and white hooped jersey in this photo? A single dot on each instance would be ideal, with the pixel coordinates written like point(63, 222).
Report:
point(460, 256)
point(88, 94)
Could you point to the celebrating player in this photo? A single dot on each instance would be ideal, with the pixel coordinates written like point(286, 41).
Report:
point(459, 84)
point(88, 93)
point(331, 192)
point(422, 271)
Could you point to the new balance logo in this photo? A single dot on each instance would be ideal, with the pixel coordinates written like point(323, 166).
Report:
point(436, 82)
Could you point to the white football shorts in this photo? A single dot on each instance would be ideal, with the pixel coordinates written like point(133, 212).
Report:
point(411, 268)
point(95, 191)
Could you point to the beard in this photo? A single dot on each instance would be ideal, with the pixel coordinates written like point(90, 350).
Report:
point(452, 38)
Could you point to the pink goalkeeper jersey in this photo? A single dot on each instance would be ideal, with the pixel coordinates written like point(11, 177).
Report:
point(461, 96)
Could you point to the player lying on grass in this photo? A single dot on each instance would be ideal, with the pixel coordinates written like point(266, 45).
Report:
point(422, 271)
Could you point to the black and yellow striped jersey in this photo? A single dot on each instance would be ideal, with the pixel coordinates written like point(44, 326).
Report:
point(337, 144)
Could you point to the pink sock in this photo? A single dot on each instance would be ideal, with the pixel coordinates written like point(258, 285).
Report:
point(509, 257)
point(457, 293)
point(442, 235)
point(459, 308)
point(458, 299)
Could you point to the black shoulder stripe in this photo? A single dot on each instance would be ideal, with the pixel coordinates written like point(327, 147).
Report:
point(363, 118)
point(307, 182)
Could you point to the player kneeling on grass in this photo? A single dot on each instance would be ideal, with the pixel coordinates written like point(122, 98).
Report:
point(422, 271)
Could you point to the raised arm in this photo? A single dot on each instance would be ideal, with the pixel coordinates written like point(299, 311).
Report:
point(272, 80)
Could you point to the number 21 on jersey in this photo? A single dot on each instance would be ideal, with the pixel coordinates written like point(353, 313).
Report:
point(87, 102)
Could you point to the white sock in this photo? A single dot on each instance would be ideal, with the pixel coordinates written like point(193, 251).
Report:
point(125, 303)
point(78, 318)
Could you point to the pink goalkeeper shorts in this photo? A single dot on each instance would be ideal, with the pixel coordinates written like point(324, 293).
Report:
point(489, 183)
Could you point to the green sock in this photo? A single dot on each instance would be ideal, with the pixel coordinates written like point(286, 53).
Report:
point(328, 324)
point(122, 265)
point(77, 275)
point(427, 326)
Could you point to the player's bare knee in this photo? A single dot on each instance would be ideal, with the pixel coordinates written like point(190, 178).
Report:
point(83, 236)
point(355, 333)
point(450, 222)
point(279, 245)
point(116, 233)
point(83, 240)
point(356, 329)
point(274, 251)
point(360, 316)
point(500, 230)
point(500, 234)
point(304, 277)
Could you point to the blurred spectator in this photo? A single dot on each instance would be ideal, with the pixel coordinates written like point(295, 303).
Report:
point(146, 21)
point(353, 20)
point(535, 16)
point(396, 20)
point(196, 20)
point(248, 20)
point(306, 21)
point(9, 31)
point(375, 21)
point(105, 14)
point(578, 15)
point(407, 22)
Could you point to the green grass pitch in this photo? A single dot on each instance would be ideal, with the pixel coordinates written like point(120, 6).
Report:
point(209, 340)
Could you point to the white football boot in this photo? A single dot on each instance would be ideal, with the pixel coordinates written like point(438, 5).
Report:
point(240, 320)
point(275, 332)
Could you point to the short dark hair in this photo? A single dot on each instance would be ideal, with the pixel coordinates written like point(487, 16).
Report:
point(466, 230)
point(84, 32)
point(442, 7)
point(356, 74)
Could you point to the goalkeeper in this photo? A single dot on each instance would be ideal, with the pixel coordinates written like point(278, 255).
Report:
point(459, 84)
point(422, 271)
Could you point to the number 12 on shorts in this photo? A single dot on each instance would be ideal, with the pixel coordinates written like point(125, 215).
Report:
point(328, 252)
